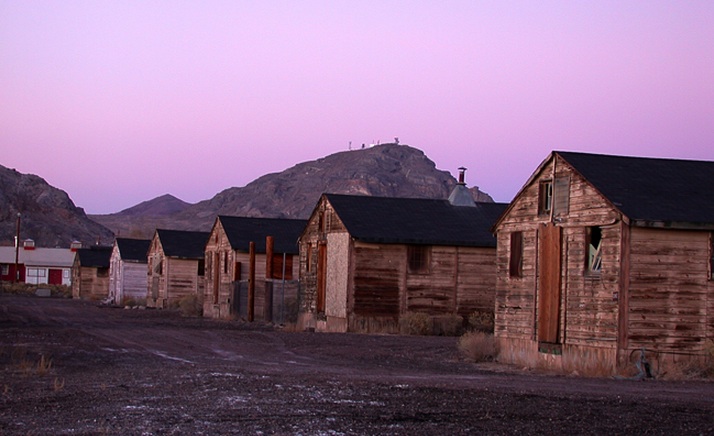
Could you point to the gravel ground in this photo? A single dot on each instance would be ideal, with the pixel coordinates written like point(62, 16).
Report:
point(143, 372)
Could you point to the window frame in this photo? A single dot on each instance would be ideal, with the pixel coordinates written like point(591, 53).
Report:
point(515, 256)
point(545, 197)
point(418, 259)
point(593, 261)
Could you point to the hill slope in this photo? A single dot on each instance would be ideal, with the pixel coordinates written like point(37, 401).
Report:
point(49, 216)
point(384, 170)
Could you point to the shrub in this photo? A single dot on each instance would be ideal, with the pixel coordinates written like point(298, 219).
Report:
point(190, 305)
point(478, 346)
point(449, 325)
point(482, 321)
point(415, 323)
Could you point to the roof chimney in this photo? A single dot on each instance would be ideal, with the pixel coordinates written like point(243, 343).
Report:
point(460, 195)
point(462, 171)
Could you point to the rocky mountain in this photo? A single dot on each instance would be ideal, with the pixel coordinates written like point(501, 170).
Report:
point(164, 205)
point(48, 215)
point(383, 170)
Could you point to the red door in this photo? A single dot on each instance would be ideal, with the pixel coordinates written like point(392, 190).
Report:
point(55, 277)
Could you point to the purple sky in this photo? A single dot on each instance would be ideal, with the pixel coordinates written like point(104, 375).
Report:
point(119, 102)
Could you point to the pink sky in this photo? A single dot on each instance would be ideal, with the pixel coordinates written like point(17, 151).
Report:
point(119, 102)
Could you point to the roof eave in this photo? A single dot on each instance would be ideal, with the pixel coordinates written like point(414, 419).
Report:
point(675, 225)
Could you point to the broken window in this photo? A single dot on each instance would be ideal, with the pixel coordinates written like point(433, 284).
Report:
point(545, 197)
point(515, 264)
point(593, 246)
point(418, 257)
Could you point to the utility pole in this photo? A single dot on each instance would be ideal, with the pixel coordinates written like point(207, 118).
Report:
point(17, 249)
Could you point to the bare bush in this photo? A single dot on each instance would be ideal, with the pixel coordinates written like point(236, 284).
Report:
point(190, 306)
point(481, 321)
point(415, 323)
point(478, 346)
point(449, 325)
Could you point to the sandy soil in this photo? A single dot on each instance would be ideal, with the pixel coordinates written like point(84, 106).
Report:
point(116, 371)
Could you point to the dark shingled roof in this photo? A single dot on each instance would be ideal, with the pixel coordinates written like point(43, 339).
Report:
point(97, 256)
point(668, 192)
point(133, 250)
point(183, 244)
point(416, 220)
point(242, 230)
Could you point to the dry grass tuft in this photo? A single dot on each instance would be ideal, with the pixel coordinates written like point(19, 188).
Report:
point(415, 323)
point(58, 384)
point(43, 366)
point(190, 305)
point(478, 346)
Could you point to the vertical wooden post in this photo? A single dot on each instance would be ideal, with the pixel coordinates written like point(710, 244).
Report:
point(269, 257)
point(251, 283)
point(269, 266)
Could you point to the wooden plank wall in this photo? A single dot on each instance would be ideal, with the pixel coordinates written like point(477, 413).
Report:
point(670, 306)
point(590, 309)
point(476, 280)
point(378, 277)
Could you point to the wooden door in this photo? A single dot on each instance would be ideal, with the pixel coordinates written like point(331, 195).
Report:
point(55, 277)
point(321, 276)
point(549, 267)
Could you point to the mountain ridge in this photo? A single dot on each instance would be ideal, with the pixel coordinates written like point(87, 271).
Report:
point(388, 170)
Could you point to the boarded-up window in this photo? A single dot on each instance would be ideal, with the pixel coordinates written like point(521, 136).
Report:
point(515, 264)
point(418, 257)
point(278, 266)
point(593, 244)
point(561, 195)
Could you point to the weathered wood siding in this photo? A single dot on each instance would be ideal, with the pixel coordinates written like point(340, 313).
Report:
point(171, 279)
point(589, 308)
point(670, 293)
point(476, 280)
point(220, 262)
point(322, 222)
point(182, 280)
point(369, 287)
point(127, 280)
point(90, 284)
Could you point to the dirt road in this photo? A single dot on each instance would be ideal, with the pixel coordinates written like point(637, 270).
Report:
point(116, 371)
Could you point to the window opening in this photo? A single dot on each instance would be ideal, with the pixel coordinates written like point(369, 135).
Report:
point(594, 249)
point(418, 256)
point(545, 197)
point(201, 267)
point(515, 265)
